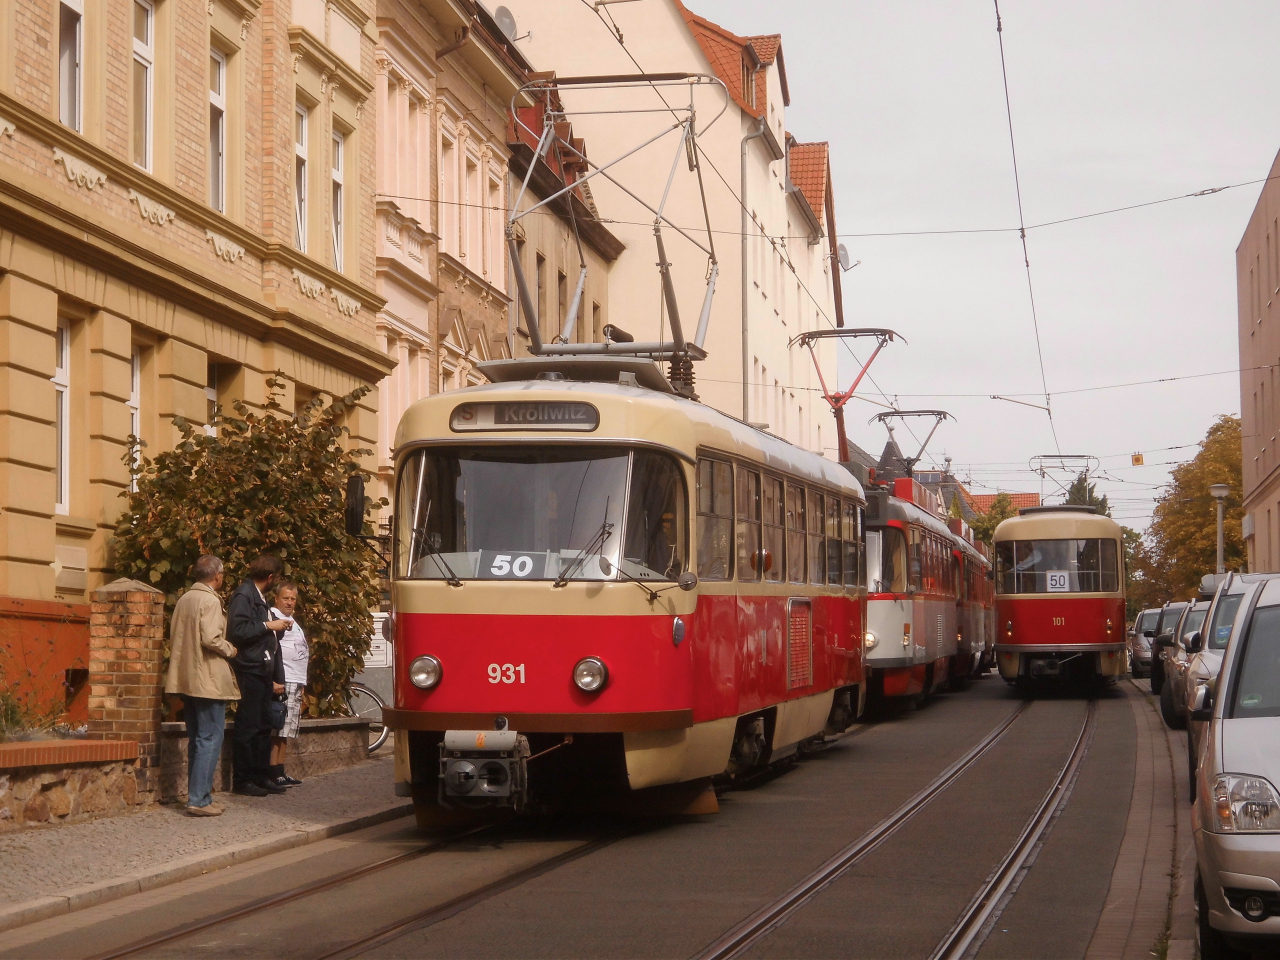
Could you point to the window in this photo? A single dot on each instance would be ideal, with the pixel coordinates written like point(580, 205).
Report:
point(217, 131)
point(1255, 688)
point(795, 533)
point(1056, 566)
point(541, 303)
point(772, 508)
point(339, 142)
point(851, 539)
point(834, 549)
point(70, 62)
point(211, 400)
point(817, 552)
point(144, 58)
point(715, 520)
point(886, 561)
point(62, 417)
point(518, 513)
point(135, 413)
point(748, 510)
point(562, 301)
point(597, 335)
point(300, 177)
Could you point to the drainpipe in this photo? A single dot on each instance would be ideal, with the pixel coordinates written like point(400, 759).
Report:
point(742, 192)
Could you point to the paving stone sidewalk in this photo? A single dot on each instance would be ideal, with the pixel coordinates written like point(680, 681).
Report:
point(48, 862)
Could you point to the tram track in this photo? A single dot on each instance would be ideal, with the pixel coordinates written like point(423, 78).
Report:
point(761, 923)
point(288, 896)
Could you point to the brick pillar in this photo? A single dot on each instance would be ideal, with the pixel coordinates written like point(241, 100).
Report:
point(126, 636)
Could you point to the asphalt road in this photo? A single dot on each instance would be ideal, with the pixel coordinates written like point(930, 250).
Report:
point(669, 888)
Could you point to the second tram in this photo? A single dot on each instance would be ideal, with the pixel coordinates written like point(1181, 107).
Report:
point(1060, 605)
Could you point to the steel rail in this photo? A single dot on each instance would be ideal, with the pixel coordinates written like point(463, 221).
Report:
point(451, 908)
point(297, 893)
point(984, 905)
point(757, 926)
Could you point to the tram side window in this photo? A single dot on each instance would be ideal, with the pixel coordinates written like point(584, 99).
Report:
point(915, 571)
point(656, 540)
point(748, 525)
point(795, 533)
point(835, 547)
point(817, 552)
point(715, 520)
point(850, 539)
point(772, 507)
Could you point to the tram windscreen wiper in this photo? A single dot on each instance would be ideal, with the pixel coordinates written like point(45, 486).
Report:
point(430, 546)
point(595, 546)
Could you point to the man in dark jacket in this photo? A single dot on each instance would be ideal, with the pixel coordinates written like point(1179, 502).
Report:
point(251, 631)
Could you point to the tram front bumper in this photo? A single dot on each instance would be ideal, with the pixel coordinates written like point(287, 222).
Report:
point(483, 768)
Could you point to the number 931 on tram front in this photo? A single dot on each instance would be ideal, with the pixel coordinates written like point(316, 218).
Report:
point(1060, 604)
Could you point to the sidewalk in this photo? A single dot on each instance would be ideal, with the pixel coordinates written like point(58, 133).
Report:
point(58, 870)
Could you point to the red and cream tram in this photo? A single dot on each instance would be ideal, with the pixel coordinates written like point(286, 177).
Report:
point(1060, 608)
point(918, 609)
point(601, 587)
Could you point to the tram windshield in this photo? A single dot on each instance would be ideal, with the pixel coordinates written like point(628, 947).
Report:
point(544, 513)
point(1057, 566)
point(886, 561)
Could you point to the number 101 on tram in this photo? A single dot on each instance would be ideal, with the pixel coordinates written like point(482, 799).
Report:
point(1060, 606)
point(605, 590)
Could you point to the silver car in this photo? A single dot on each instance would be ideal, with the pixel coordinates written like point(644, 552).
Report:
point(1236, 817)
point(1206, 653)
point(1173, 652)
point(1140, 637)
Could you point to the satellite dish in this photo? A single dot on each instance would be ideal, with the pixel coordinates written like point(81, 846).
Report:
point(505, 21)
point(844, 257)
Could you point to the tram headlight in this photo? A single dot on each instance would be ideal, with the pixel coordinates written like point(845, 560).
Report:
point(1245, 804)
point(870, 640)
point(590, 675)
point(425, 672)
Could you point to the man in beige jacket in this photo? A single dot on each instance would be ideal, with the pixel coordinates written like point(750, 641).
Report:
point(200, 673)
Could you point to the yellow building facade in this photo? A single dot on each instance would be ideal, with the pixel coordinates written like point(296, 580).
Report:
point(186, 208)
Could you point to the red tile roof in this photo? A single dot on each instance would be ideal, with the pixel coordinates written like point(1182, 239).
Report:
point(808, 168)
point(725, 52)
point(983, 501)
point(767, 46)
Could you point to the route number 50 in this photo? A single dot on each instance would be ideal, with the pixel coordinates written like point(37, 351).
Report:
point(505, 673)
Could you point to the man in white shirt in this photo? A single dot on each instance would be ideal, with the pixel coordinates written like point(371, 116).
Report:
point(294, 654)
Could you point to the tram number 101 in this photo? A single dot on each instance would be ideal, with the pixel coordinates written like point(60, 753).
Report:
point(1059, 621)
point(506, 673)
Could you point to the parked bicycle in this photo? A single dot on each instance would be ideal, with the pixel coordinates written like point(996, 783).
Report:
point(365, 704)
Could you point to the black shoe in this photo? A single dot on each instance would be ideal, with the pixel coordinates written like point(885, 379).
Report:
point(251, 790)
point(289, 781)
point(269, 786)
point(281, 781)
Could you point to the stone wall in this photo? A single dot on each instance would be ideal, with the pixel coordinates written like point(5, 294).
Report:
point(65, 781)
point(322, 746)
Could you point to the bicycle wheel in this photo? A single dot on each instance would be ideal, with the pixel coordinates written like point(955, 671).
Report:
point(367, 705)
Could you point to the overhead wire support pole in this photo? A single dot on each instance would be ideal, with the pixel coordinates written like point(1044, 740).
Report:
point(837, 400)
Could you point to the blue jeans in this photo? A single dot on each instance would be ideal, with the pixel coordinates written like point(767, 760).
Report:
point(206, 723)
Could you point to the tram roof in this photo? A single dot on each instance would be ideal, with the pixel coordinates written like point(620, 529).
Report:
point(628, 414)
point(1049, 524)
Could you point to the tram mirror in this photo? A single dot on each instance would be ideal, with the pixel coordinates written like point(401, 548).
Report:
point(687, 581)
point(605, 566)
point(355, 505)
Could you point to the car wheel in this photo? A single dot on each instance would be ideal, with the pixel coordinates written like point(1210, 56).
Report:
point(1213, 945)
point(1168, 711)
point(1157, 676)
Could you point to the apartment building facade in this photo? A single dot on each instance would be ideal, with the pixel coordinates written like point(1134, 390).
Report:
point(451, 161)
point(1258, 327)
point(773, 239)
point(186, 210)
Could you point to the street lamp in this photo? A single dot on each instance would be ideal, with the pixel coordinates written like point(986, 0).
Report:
point(1219, 492)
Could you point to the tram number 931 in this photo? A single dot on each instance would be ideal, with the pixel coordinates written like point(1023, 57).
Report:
point(506, 672)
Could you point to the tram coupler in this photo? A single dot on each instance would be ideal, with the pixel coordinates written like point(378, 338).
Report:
point(483, 768)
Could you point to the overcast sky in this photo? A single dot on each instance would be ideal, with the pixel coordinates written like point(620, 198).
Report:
point(1113, 104)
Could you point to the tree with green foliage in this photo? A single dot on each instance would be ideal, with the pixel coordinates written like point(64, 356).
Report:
point(955, 511)
point(984, 524)
point(1083, 493)
point(1180, 546)
point(263, 483)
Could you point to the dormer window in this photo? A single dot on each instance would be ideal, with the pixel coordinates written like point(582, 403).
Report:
point(748, 81)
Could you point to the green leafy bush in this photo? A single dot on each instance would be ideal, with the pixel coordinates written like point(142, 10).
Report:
point(263, 483)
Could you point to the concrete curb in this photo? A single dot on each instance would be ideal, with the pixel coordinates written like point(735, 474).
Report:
point(78, 898)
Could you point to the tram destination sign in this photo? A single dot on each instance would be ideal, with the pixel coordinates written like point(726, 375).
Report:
point(525, 415)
